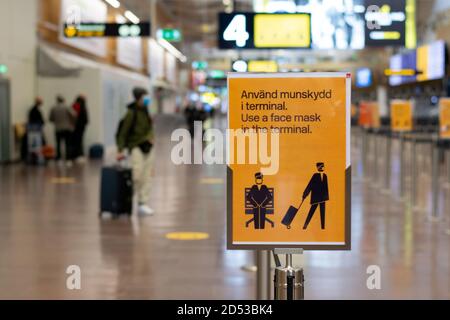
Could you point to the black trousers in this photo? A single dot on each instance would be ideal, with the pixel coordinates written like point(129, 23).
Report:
point(64, 136)
point(259, 216)
point(78, 148)
point(311, 214)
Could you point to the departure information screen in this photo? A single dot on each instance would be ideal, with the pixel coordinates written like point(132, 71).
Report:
point(264, 31)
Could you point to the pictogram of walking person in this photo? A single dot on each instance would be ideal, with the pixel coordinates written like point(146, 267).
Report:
point(259, 197)
point(318, 188)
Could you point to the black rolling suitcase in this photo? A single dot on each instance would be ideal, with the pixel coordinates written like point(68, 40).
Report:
point(290, 215)
point(116, 190)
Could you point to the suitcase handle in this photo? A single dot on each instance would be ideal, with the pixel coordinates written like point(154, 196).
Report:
point(301, 204)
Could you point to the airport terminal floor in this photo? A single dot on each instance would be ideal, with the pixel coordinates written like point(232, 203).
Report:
point(50, 221)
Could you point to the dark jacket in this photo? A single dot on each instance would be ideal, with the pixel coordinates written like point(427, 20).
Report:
point(35, 117)
point(82, 116)
point(260, 197)
point(137, 128)
point(318, 188)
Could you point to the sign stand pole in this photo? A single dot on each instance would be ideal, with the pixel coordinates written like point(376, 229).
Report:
point(435, 180)
point(402, 165)
point(262, 275)
point(288, 281)
point(448, 165)
point(413, 171)
point(387, 163)
point(375, 157)
point(370, 154)
point(364, 150)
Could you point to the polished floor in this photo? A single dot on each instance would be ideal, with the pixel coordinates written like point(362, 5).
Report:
point(49, 220)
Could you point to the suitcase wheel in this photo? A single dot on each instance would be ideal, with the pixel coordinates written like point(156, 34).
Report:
point(288, 226)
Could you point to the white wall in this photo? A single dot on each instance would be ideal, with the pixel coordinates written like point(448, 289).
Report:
point(107, 89)
point(87, 83)
point(17, 51)
point(88, 11)
point(117, 86)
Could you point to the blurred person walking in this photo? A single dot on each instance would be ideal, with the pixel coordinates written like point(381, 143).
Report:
point(82, 120)
point(34, 130)
point(35, 117)
point(135, 134)
point(190, 113)
point(63, 119)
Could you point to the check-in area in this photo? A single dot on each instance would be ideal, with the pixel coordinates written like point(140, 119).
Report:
point(224, 149)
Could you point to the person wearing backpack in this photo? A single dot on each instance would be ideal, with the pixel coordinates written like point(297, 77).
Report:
point(135, 134)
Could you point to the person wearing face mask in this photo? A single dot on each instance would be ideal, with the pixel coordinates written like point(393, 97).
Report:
point(318, 188)
point(135, 134)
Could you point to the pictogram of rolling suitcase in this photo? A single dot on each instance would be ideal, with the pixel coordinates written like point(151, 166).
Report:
point(290, 215)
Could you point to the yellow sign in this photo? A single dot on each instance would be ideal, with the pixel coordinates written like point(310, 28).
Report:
point(282, 30)
point(400, 72)
point(262, 66)
point(70, 31)
point(444, 118)
point(289, 160)
point(401, 115)
point(422, 63)
point(375, 115)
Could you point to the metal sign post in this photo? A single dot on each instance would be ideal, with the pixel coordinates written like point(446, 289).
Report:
point(263, 275)
point(387, 174)
point(435, 181)
point(364, 150)
point(370, 156)
point(375, 158)
point(402, 165)
point(448, 165)
point(413, 171)
point(288, 280)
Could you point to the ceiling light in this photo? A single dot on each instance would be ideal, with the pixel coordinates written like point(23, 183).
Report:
point(113, 3)
point(120, 19)
point(132, 17)
point(172, 50)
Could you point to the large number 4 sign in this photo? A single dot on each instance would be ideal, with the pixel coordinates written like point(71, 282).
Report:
point(237, 31)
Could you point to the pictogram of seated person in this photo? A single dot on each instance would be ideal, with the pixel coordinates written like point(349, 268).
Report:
point(259, 197)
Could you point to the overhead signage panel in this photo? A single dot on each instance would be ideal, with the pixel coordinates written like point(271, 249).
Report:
point(248, 30)
point(353, 24)
point(385, 22)
point(98, 30)
point(168, 34)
